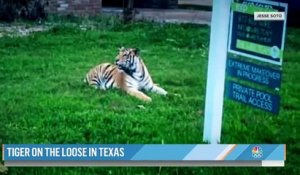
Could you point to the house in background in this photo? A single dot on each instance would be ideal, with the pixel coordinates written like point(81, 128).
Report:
point(93, 7)
point(74, 7)
point(157, 4)
point(155, 10)
point(190, 11)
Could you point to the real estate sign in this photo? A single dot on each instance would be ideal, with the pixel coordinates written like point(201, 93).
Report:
point(253, 32)
point(254, 38)
point(257, 33)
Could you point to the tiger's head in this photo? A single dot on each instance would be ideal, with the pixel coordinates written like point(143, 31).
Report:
point(128, 59)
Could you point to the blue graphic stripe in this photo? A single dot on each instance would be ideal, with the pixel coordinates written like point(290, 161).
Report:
point(239, 149)
point(277, 154)
point(207, 152)
point(163, 152)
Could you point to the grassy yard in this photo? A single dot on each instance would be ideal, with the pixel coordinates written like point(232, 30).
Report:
point(44, 100)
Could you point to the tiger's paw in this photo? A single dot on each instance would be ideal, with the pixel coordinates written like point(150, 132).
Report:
point(147, 99)
point(161, 91)
point(164, 92)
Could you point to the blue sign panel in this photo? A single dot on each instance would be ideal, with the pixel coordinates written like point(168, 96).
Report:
point(258, 39)
point(254, 73)
point(253, 97)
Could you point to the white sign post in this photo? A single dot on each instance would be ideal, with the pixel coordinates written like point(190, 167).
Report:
point(216, 71)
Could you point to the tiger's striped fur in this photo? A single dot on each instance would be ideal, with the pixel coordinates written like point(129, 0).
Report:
point(129, 74)
point(104, 76)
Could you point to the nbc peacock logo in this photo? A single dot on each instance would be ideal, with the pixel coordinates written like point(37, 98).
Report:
point(257, 152)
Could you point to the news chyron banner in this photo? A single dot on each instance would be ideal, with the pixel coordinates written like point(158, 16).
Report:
point(143, 155)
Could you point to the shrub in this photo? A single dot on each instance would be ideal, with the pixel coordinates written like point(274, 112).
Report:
point(25, 9)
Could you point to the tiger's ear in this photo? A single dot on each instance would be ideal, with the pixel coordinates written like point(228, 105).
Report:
point(136, 51)
point(121, 49)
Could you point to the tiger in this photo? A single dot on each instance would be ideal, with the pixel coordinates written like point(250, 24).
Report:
point(128, 73)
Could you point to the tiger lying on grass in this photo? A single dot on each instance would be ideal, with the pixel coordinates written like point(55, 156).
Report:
point(129, 74)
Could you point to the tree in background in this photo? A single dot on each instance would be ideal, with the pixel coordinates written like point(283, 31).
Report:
point(128, 10)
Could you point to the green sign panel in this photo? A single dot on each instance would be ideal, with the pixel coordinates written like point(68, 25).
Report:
point(259, 39)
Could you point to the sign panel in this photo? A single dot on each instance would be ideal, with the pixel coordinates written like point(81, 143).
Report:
point(258, 39)
point(253, 97)
point(254, 73)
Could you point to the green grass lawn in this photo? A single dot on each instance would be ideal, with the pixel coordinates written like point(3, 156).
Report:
point(44, 100)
